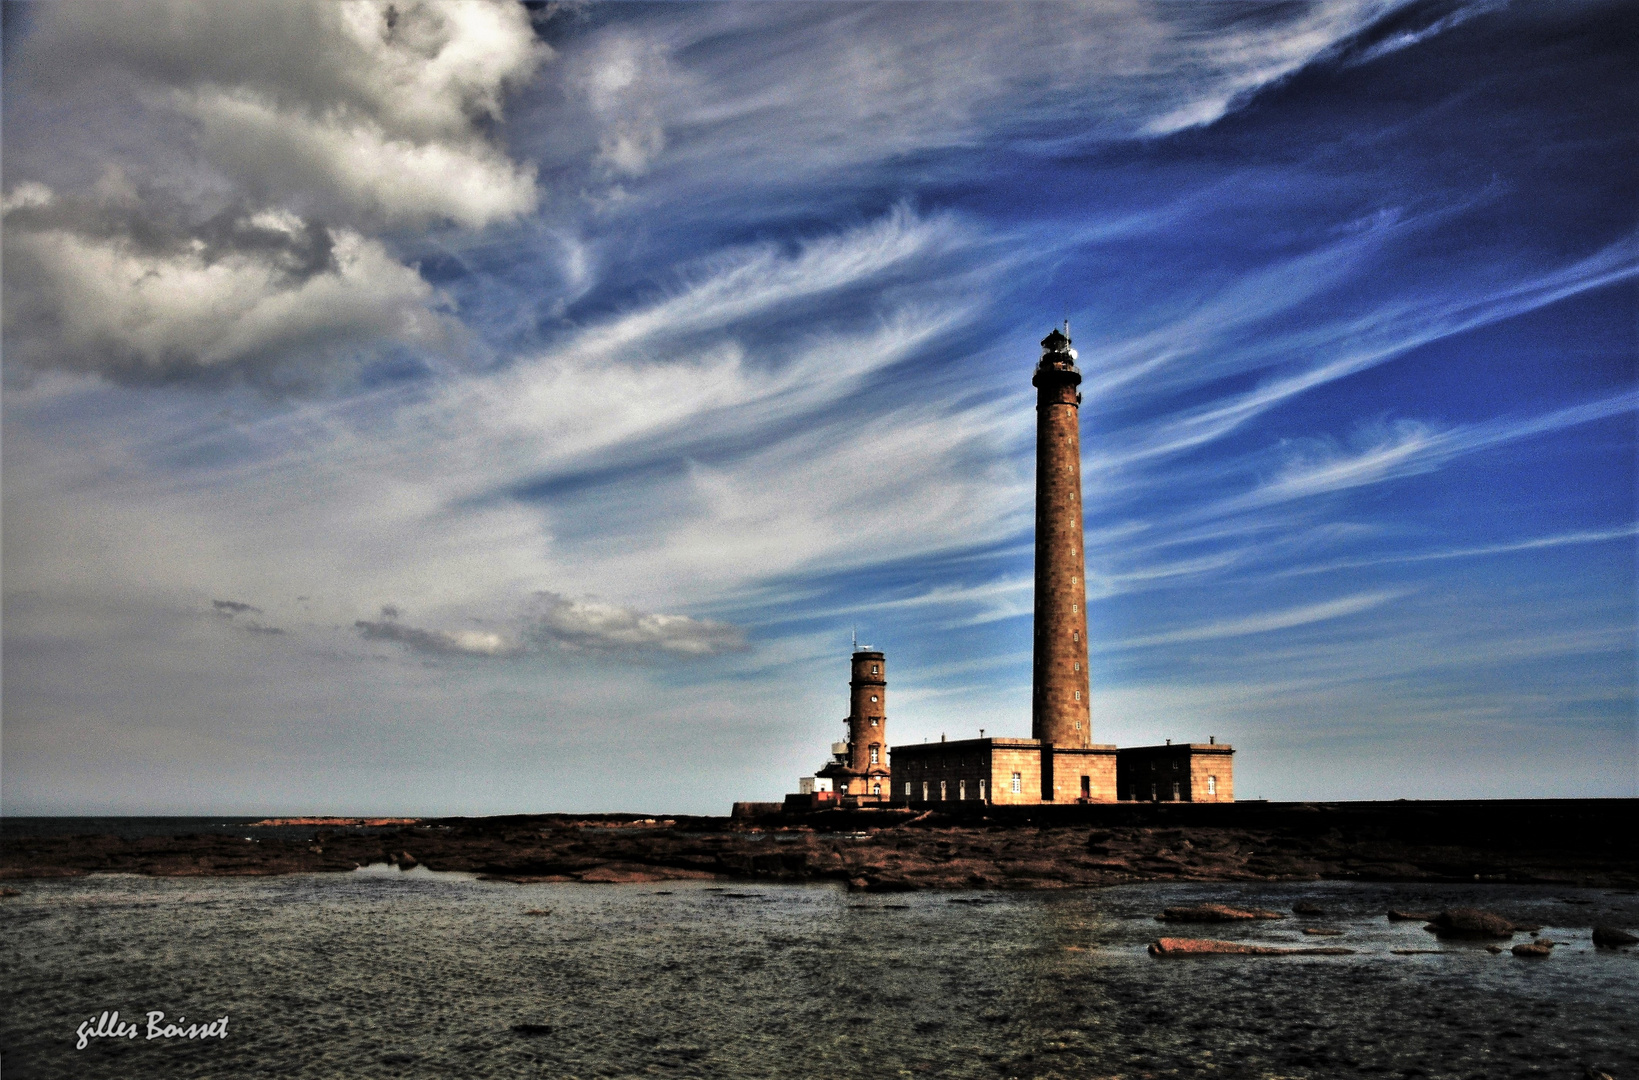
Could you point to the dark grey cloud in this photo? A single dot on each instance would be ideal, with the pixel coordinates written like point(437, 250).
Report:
point(231, 609)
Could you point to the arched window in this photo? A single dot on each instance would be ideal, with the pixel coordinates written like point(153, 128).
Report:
point(876, 789)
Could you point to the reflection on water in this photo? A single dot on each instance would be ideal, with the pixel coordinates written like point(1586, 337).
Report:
point(385, 973)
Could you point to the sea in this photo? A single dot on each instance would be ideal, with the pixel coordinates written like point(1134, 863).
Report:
point(387, 973)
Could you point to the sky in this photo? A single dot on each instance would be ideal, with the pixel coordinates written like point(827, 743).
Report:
point(456, 408)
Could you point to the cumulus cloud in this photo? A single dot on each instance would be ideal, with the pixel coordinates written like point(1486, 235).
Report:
point(321, 105)
point(595, 626)
point(250, 157)
point(97, 291)
point(559, 623)
point(438, 642)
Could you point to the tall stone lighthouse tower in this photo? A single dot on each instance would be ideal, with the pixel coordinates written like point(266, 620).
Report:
point(1059, 709)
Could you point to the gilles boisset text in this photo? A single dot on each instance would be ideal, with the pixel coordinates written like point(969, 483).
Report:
point(110, 1026)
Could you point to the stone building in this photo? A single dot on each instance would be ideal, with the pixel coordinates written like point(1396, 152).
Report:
point(1059, 763)
point(1008, 772)
point(1183, 772)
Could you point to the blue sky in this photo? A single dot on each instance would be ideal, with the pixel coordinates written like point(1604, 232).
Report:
point(471, 409)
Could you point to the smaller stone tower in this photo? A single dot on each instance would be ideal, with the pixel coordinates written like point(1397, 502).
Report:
point(860, 770)
point(868, 722)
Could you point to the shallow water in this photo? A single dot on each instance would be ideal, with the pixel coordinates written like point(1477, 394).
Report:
point(384, 973)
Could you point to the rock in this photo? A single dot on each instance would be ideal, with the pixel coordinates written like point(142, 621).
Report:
point(19, 892)
point(538, 911)
point(1594, 1072)
point(1408, 916)
point(1609, 937)
point(1534, 948)
point(623, 873)
point(1470, 923)
point(1304, 907)
point(1215, 913)
point(406, 861)
point(1494, 950)
point(1315, 931)
point(532, 1029)
point(1171, 946)
point(1427, 952)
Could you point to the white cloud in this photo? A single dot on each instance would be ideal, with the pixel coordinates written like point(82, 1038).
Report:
point(1120, 372)
point(1405, 449)
point(419, 492)
point(775, 93)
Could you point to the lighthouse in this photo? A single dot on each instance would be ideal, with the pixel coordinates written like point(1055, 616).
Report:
point(1060, 763)
point(859, 770)
point(1059, 713)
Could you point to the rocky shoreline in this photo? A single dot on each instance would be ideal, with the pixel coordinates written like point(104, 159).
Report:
point(1566, 842)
